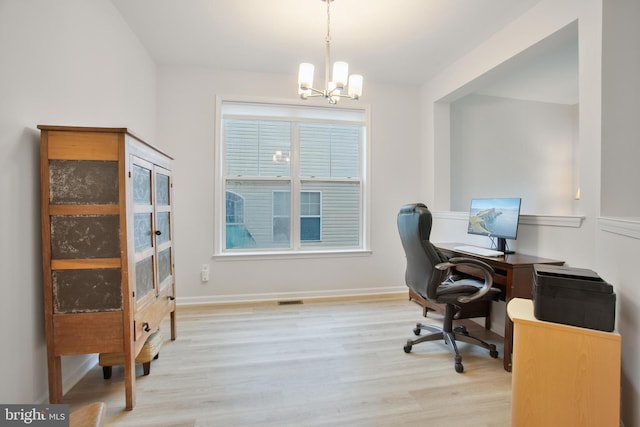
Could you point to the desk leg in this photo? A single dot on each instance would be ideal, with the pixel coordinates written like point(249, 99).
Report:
point(426, 305)
point(508, 344)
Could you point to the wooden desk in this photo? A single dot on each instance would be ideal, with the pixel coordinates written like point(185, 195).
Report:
point(562, 375)
point(513, 274)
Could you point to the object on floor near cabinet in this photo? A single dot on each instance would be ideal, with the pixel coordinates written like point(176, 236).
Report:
point(150, 351)
point(107, 239)
point(91, 415)
point(562, 375)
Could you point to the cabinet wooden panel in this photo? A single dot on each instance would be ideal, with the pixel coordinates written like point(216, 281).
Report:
point(562, 375)
point(107, 245)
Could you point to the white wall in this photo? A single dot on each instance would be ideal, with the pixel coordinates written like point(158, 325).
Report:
point(504, 147)
point(186, 118)
point(68, 62)
point(612, 255)
point(620, 102)
point(617, 252)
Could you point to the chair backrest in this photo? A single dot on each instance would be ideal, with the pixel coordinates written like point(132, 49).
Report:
point(414, 226)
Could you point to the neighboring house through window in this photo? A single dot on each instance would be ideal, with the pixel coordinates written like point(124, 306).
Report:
point(310, 218)
point(237, 235)
point(294, 178)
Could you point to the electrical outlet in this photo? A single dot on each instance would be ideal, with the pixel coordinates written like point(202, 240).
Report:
point(204, 273)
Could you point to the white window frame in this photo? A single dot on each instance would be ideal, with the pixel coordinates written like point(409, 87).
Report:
point(305, 111)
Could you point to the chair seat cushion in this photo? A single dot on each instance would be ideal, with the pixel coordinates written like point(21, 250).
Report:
point(462, 286)
point(448, 292)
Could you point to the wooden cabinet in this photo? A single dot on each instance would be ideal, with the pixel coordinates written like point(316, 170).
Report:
point(562, 375)
point(108, 255)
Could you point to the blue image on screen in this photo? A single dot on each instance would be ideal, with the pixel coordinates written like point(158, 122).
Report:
point(497, 217)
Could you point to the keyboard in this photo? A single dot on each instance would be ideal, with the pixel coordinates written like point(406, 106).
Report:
point(475, 250)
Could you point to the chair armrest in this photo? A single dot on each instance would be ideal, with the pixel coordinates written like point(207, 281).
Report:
point(486, 269)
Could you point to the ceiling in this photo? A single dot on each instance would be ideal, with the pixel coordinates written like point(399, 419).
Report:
point(397, 42)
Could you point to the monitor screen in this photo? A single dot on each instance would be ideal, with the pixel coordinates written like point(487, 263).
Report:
point(496, 217)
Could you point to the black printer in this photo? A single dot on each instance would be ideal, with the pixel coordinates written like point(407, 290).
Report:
point(573, 296)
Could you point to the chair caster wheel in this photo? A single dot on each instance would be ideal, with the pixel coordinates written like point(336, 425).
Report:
point(416, 331)
point(407, 347)
point(459, 368)
point(493, 352)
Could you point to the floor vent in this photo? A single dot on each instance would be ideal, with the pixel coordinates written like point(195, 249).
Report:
point(290, 302)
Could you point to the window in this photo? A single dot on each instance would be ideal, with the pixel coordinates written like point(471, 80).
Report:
point(293, 178)
point(310, 221)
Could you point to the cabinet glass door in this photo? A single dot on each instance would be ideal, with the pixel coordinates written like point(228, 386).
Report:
point(163, 229)
point(142, 190)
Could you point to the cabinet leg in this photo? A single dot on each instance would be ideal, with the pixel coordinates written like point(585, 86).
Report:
point(130, 382)
point(55, 378)
point(173, 325)
point(106, 372)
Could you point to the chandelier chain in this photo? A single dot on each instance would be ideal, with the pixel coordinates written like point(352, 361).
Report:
point(328, 39)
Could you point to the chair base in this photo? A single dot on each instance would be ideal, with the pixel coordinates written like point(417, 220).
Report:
point(458, 333)
point(468, 311)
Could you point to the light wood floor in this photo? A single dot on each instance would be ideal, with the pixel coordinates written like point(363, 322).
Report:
point(337, 363)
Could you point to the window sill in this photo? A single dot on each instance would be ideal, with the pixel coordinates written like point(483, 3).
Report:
point(243, 256)
point(625, 226)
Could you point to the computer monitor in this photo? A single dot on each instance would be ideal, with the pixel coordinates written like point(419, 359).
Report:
point(496, 218)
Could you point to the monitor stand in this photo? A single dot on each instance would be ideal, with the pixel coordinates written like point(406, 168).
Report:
point(502, 246)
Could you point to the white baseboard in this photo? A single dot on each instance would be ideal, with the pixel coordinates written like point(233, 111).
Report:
point(287, 296)
point(73, 374)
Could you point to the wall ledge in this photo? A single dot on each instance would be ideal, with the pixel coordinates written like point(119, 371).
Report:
point(572, 221)
point(625, 226)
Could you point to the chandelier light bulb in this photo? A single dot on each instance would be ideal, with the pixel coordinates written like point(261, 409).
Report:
point(305, 76)
point(355, 86)
point(340, 73)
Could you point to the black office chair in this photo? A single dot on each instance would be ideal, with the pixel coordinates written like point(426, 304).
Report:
point(431, 275)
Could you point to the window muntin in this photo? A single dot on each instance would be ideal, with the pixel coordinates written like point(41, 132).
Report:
point(300, 180)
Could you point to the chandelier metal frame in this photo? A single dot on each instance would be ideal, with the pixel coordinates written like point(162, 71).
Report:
point(332, 88)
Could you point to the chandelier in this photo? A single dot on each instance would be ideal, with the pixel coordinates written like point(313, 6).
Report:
point(332, 89)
